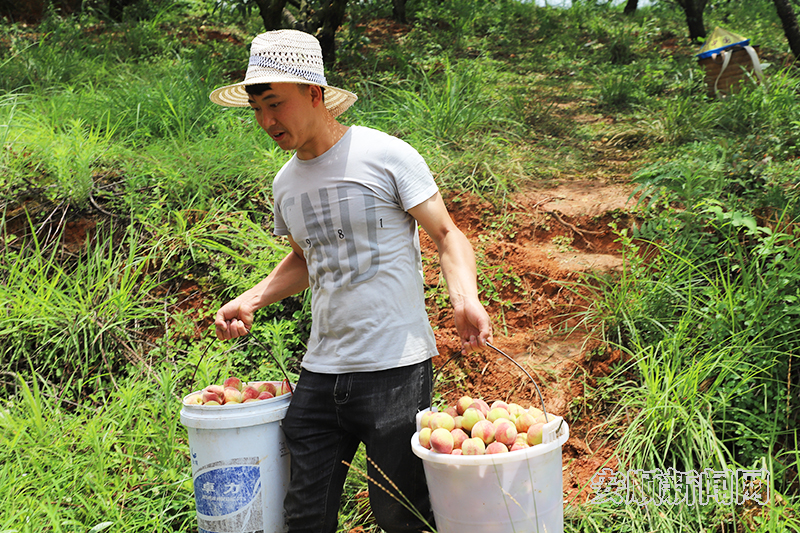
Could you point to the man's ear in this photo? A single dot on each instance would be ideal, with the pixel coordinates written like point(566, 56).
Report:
point(316, 95)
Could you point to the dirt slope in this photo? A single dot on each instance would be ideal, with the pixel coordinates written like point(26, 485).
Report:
point(557, 234)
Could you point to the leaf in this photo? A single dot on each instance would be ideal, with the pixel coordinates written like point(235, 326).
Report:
point(101, 526)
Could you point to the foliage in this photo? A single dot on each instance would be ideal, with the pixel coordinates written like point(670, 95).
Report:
point(116, 460)
point(448, 105)
point(102, 336)
point(74, 319)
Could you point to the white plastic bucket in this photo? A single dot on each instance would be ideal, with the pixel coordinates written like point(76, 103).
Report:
point(240, 465)
point(515, 492)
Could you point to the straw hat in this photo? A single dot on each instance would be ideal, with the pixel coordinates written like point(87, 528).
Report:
point(285, 56)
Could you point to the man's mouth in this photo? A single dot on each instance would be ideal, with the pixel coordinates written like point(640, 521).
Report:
point(278, 135)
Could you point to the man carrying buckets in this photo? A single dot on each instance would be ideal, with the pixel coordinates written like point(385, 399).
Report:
point(349, 202)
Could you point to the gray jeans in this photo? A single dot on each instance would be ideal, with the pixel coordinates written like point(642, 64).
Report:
point(327, 419)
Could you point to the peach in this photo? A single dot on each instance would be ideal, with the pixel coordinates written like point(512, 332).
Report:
point(497, 412)
point(232, 395)
point(471, 416)
point(211, 396)
point(234, 382)
point(442, 420)
point(481, 405)
point(196, 398)
point(266, 395)
point(250, 393)
point(425, 420)
point(515, 409)
point(518, 446)
point(473, 446)
point(264, 386)
point(463, 404)
point(459, 436)
point(451, 411)
point(535, 412)
point(425, 437)
point(456, 451)
point(458, 421)
point(283, 388)
point(535, 434)
point(499, 403)
point(212, 402)
point(219, 390)
point(550, 417)
point(496, 447)
point(441, 440)
point(505, 431)
point(483, 430)
point(524, 421)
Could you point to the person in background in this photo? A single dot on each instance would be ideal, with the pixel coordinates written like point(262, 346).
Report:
point(349, 202)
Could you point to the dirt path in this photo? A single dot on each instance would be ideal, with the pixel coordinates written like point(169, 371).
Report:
point(542, 241)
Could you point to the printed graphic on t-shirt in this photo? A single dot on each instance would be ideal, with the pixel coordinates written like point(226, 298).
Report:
point(337, 227)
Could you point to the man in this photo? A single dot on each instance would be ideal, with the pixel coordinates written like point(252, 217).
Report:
point(349, 202)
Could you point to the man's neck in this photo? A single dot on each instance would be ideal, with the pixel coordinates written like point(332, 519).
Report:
point(329, 134)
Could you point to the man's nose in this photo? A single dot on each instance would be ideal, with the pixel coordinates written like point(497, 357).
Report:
point(265, 120)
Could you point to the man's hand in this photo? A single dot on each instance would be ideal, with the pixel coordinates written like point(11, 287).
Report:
point(234, 319)
point(473, 325)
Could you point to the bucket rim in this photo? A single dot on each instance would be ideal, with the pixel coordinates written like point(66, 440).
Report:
point(498, 458)
point(234, 415)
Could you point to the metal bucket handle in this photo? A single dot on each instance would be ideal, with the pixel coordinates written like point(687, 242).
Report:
point(501, 352)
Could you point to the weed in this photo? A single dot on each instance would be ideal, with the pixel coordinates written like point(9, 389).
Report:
point(449, 110)
point(563, 243)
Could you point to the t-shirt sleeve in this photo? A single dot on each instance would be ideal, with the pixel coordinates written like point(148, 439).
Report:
point(413, 178)
point(279, 224)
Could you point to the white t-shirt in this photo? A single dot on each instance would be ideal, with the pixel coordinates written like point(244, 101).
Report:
point(347, 209)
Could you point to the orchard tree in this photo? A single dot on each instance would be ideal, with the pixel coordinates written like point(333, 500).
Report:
point(693, 9)
point(630, 7)
point(790, 28)
point(399, 11)
point(320, 18)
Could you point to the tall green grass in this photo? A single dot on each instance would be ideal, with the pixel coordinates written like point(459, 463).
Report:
point(74, 319)
point(117, 462)
point(707, 383)
point(115, 122)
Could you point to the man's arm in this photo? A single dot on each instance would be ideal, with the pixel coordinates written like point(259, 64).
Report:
point(235, 318)
point(457, 261)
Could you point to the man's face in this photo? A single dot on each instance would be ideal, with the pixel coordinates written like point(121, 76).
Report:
point(285, 112)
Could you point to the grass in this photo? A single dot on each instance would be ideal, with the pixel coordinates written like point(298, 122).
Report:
point(100, 337)
point(115, 461)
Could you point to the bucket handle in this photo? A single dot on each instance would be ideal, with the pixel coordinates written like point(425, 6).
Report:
point(274, 358)
point(260, 343)
point(501, 352)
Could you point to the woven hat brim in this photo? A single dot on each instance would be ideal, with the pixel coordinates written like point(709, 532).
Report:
point(337, 101)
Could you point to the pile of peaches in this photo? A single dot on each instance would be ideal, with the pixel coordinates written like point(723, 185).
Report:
point(233, 391)
point(473, 427)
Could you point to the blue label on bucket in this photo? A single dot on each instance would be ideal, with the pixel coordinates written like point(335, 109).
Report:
point(226, 490)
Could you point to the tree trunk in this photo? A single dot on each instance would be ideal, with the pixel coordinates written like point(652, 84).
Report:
point(320, 18)
point(332, 16)
point(790, 27)
point(693, 9)
point(271, 12)
point(399, 11)
point(116, 9)
point(630, 7)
